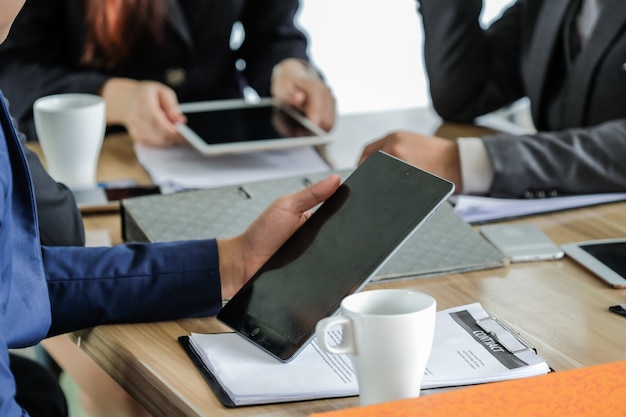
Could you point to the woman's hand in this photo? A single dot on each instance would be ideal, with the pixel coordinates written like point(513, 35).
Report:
point(147, 109)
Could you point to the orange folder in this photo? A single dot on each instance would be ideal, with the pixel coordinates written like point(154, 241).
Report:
point(595, 391)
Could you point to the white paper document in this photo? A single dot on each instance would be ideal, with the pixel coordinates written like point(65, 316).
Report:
point(184, 167)
point(469, 347)
point(475, 209)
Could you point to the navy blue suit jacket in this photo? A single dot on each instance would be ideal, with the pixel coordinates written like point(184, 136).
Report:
point(46, 291)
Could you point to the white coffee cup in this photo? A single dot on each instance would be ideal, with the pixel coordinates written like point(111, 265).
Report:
point(71, 129)
point(388, 335)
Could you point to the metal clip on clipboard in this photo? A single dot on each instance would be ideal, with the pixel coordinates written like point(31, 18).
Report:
point(505, 335)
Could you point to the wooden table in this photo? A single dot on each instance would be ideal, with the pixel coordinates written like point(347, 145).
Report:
point(558, 306)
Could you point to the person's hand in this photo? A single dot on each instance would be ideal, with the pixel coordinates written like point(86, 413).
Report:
point(287, 126)
point(147, 109)
point(436, 155)
point(297, 84)
point(240, 257)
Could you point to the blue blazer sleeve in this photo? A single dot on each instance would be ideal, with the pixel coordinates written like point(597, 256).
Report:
point(131, 283)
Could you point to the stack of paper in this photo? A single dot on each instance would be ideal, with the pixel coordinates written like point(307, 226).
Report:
point(474, 209)
point(184, 167)
point(469, 348)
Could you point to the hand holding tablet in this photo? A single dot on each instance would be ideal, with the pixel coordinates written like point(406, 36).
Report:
point(334, 253)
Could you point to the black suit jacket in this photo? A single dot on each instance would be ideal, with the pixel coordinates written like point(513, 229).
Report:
point(42, 53)
point(60, 221)
point(578, 103)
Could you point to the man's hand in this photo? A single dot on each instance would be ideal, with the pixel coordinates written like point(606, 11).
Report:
point(436, 155)
point(147, 109)
point(297, 84)
point(240, 257)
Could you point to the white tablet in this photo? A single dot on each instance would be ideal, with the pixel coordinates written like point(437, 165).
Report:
point(606, 258)
point(235, 126)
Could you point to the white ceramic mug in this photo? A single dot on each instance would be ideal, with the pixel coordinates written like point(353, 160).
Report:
point(388, 335)
point(71, 129)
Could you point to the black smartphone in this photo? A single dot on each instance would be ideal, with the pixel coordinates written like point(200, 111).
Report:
point(333, 254)
point(107, 199)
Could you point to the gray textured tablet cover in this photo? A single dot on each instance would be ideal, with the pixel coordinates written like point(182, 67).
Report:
point(443, 244)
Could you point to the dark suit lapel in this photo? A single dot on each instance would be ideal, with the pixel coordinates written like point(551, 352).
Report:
point(611, 23)
point(176, 19)
point(542, 49)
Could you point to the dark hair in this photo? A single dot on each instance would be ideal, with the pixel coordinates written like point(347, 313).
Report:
point(114, 28)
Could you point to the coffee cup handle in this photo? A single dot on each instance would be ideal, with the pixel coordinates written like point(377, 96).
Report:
point(347, 340)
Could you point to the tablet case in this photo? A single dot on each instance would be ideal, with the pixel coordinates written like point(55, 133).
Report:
point(443, 244)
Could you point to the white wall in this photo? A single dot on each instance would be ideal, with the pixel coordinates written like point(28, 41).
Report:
point(370, 51)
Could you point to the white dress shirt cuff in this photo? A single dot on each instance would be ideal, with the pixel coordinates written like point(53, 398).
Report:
point(476, 168)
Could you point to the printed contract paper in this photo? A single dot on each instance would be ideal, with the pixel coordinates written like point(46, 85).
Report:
point(464, 352)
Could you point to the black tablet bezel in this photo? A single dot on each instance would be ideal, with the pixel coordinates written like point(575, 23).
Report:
point(382, 188)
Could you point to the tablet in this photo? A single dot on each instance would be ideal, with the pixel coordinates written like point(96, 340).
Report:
point(235, 126)
point(606, 258)
point(333, 254)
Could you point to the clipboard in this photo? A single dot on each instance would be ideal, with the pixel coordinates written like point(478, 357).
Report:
point(214, 384)
point(446, 340)
point(505, 335)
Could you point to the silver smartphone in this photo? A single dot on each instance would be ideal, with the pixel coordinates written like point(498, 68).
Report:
point(522, 242)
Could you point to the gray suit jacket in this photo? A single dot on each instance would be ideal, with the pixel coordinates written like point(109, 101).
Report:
point(578, 101)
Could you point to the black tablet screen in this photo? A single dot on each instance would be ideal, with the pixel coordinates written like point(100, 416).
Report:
point(245, 124)
point(333, 254)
